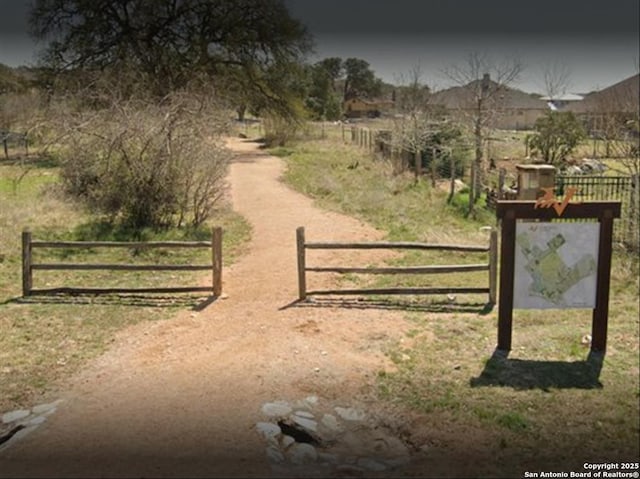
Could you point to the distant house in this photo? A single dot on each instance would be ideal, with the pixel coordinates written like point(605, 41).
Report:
point(621, 100)
point(511, 109)
point(359, 108)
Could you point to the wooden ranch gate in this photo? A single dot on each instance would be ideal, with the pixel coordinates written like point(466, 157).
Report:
point(28, 266)
point(491, 267)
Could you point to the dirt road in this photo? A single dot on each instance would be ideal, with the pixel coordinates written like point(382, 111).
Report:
point(182, 397)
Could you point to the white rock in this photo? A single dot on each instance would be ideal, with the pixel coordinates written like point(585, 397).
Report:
point(311, 400)
point(307, 403)
point(286, 441)
point(268, 430)
point(330, 422)
point(274, 455)
point(303, 453)
point(306, 414)
point(350, 414)
point(46, 408)
point(15, 415)
point(36, 420)
point(308, 424)
point(371, 464)
point(276, 408)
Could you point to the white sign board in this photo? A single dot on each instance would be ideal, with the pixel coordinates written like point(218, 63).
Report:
point(555, 265)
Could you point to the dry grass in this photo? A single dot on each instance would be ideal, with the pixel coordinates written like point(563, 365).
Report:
point(44, 339)
point(549, 406)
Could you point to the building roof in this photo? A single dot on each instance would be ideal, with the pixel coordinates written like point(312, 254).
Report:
point(463, 97)
point(563, 97)
point(622, 97)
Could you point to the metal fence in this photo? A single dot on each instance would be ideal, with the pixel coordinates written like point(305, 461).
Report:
point(621, 188)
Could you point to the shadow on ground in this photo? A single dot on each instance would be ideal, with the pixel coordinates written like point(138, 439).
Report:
point(392, 305)
point(524, 374)
point(196, 303)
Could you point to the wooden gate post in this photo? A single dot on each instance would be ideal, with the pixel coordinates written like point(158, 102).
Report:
point(417, 159)
point(27, 280)
point(216, 260)
point(302, 280)
point(493, 265)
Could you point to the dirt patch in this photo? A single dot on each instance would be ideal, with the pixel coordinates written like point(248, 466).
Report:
point(182, 397)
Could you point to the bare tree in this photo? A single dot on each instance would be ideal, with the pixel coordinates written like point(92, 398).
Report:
point(414, 124)
point(421, 128)
point(556, 77)
point(144, 163)
point(483, 83)
point(616, 117)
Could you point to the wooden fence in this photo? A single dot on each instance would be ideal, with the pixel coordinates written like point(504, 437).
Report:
point(491, 267)
point(28, 266)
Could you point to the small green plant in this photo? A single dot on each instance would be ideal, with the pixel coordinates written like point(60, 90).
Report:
point(555, 137)
point(513, 421)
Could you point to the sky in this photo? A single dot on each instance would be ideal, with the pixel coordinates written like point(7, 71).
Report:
point(597, 40)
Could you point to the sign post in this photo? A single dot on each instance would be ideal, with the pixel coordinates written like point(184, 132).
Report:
point(541, 246)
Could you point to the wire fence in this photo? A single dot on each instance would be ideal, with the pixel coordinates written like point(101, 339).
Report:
point(620, 188)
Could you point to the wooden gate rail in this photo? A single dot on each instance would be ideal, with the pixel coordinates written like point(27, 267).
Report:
point(28, 266)
point(491, 266)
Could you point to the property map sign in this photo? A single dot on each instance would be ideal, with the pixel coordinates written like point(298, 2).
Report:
point(555, 265)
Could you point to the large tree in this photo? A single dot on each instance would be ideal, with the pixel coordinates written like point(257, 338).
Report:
point(360, 81)
point(323, 99)
point(169, 42)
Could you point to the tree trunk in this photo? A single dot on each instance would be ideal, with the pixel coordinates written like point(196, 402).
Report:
point(478, 154)
point(241, 111)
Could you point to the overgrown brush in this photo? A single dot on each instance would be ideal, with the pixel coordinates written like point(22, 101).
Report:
point(146, 163)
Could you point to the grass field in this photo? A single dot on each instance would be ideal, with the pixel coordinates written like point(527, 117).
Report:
point(44, 339)
point(548, 406)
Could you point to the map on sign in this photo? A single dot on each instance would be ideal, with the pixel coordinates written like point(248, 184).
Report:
point(555, 265)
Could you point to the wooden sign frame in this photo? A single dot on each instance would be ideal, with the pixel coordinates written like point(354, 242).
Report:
point(508, 212)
